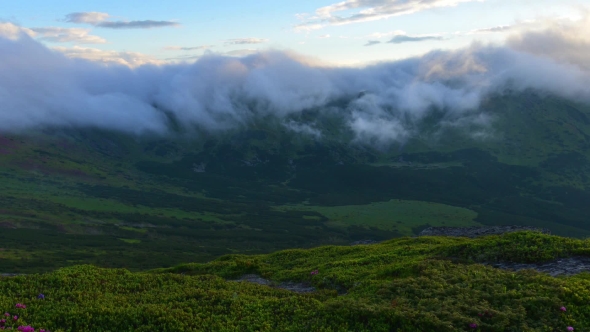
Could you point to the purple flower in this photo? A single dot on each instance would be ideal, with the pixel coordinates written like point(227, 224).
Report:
point(21, 306)
point(569, 328)
point(27, 328)
point(314, 272)
point(563, 309)
point(2, 322)
point(41, 297)
point(473, 325)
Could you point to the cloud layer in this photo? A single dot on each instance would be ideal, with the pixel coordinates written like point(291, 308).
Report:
point(100, 20)
point(44, 88)
point(368, 10)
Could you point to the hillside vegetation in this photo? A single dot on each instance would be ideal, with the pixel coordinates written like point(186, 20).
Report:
point(403, 284)
point(87, 196)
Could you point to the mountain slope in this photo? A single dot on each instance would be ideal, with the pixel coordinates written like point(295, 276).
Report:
point(72, 196)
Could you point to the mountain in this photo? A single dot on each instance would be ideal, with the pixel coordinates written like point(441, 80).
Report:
point(86, 195)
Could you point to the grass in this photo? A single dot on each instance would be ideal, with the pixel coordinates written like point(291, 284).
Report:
point(404, 284)
point(403, 216)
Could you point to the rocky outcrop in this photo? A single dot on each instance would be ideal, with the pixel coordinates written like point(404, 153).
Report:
point(559, 267)
point(361, 242)
point(297, 287)
point(11, 274)
point(478, 231)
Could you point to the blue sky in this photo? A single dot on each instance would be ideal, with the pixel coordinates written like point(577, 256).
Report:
point(236, 27)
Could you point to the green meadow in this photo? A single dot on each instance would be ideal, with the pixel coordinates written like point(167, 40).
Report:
point(402, 216)
point(403, 284)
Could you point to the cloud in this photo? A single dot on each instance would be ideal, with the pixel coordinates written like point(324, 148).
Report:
point(145, 24)
point(100, 20)
point(324, 36)
point(52, 34)
point(564, 40)
point(379, 35)
point(12, 31)
point(192, 48)
point(131, 59)
point(399, 39)
point(66, 87)
point(499, 28)
point(368, 10)
point(372, 42)
point(86, 17)
point(64, 35)
point(240, 52)
point(245, 41)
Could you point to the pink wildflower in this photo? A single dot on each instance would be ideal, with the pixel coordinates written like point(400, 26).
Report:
point(563, 309)
point(473, 325)
point(21, 306)
point(15, 317)
point(27, 328)
point(569, 328)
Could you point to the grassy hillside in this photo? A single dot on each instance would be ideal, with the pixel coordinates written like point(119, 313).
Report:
point(404, 284)
point(87, 196)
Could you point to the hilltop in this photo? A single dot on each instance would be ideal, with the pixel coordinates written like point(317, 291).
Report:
point(406, 284)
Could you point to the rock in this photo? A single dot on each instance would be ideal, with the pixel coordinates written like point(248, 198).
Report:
point(478, 231)
point(561, 266)
point(11, 274)
point(356, 243)
point(296, 287)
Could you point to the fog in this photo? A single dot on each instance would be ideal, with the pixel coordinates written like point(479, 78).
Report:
point(41, 88)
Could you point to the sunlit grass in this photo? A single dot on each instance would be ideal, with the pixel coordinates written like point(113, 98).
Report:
point(400, 215)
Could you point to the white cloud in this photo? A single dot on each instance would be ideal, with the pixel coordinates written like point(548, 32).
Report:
point(399, 37)
point(565, 40)
point(189, 48)
point(245, 41)
point(378, 35)
point(100, 20)
point(240, 52)
point(87, 17)
point(64, 35)
point(131, 59)
point(43, 88)
point(324, 36)
point(369, 10)
point(13, 31)
point(498, 28)
point(52, 34)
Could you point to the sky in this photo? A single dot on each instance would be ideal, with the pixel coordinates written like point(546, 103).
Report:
point(349, 33)
point(219, 65)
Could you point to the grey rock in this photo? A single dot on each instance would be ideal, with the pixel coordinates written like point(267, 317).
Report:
point(478, 231)
point(297, 287)
point(11, 274)
point(356, 243)
point(562, 266)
